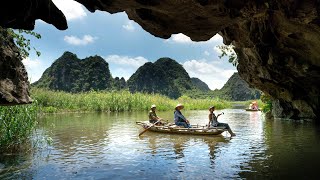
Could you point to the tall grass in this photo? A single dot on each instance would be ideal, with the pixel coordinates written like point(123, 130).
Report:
point(16, 125)
point(57, 101)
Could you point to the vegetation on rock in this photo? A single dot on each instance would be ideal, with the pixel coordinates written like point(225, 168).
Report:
point(119, 83)
point(200, 84)
point(69, 73)
point(237, 89)
point(165, 76)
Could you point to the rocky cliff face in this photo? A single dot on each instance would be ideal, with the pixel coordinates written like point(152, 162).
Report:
point(165, 76)
point(277, 42)
point(71, 74)
point(14, 85)
point(237, 89)
point(200, 84)
point(119, 83)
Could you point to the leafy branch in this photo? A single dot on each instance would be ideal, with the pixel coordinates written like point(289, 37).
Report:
point(22, 42)
point(228, 50)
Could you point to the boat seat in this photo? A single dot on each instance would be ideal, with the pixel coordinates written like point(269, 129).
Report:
point(175, 126)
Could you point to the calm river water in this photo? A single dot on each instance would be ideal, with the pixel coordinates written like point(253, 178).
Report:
point(107, 146)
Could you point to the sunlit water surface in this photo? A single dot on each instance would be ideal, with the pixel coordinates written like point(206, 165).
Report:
point(107, 146)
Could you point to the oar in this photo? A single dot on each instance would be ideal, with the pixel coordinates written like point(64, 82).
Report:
point(149, 127)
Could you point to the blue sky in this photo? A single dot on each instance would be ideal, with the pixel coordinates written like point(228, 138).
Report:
point(124, 45)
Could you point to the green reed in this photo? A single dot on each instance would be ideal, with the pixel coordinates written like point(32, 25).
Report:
point(16, 125)
point(57, 101)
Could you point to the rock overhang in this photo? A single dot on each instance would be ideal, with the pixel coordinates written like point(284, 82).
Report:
point(276, 42)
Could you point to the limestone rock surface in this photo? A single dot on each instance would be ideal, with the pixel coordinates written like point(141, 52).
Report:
point(14, 85)
point(277, 41)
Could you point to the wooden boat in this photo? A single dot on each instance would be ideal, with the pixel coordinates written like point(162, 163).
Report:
point(174, 129)
point(253, 110)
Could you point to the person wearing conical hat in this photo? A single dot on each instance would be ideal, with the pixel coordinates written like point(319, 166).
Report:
point(179, 119)
point(254, 105)
point(153, 118)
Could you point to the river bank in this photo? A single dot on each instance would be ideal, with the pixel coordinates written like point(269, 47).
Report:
point(17, 122)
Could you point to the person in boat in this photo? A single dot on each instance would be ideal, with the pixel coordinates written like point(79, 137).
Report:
point(254, 105)
point(179, 119)
point(153, 118)
point(213, 121)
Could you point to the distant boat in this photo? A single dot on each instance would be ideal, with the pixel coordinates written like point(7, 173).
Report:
point(173, 129)
point(253, 109)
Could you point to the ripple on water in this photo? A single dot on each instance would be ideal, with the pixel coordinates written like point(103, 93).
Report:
point(106, 145)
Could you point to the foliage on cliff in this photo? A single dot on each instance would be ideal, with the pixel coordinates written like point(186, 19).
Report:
point(200, 84)
point(236, 89)
point(119, 83)
point(165, 76)
point(69, 73)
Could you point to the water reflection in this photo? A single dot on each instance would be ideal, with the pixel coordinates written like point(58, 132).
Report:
point(106, 145)
point(179, 146)
point(12, 163)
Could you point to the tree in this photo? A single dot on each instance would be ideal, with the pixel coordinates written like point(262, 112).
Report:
point(22, 42)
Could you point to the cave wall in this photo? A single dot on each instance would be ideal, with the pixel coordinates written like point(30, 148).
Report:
point(277, 41)
point(14, 86)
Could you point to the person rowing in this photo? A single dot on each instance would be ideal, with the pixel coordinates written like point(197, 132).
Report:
point(153, 118)
point(179, 119)
point(213, 121)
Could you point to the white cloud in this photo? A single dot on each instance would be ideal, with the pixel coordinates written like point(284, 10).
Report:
point(71, 9)
point(206, 53)
point(217, 49)
point(35, 68)
point(126, 60)
point(124, 66)
point(180, 38)
point(122, 72)
point(31, 63)
point(129, 26)
point(210, 72)
point(73, 40)
point(183, 39)
point(216, 38)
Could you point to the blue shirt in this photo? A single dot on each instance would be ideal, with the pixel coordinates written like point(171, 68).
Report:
point(178, 117)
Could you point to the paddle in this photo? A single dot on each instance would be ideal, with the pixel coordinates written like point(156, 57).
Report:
point(149, 127)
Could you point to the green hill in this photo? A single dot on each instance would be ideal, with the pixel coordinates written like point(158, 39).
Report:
point(71, 74)
point(165, 76)
point(119, 83)
point(236, 89)
point(200, 84)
